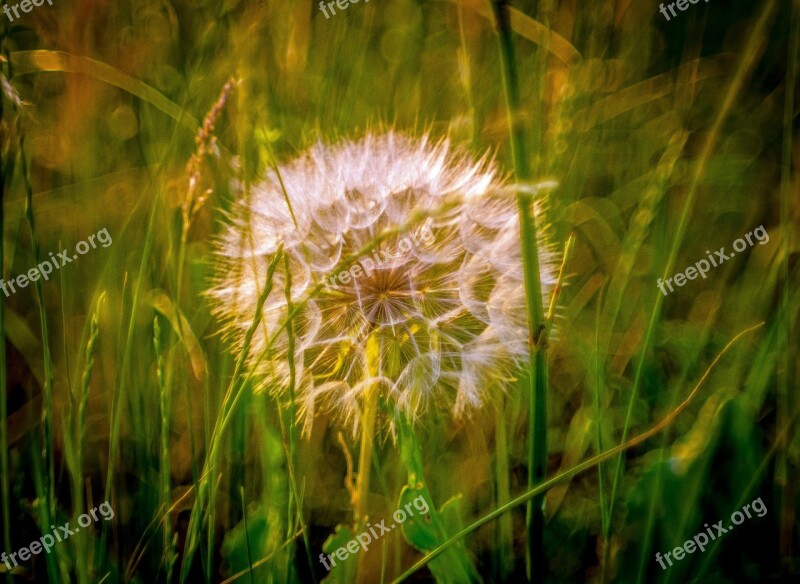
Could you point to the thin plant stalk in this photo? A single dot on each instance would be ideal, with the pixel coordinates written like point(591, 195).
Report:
point(5, 476)
point(232, 398)
point(744, 67)
point(246, 534)
point(505, 528)
point(45, 486)
point(614, 299)
point(364, 468)
point(537, 329)
point(291, 424)
point(465, 70)
point(601, 475)
point(48, 448)
point(369, 415)
point(785, 399)
point(164, 466)
point(579, 468)
point(263, 560)
point(192, 203)
point(365, 454)
point(80, 430)
point(122, 373)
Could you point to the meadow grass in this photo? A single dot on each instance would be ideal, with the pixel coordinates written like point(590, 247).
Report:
point(638, 418)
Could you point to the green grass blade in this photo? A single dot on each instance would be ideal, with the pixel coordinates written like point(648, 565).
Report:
point(26, 62)
point(743, 69)
point(537, 329)
point(584, 466)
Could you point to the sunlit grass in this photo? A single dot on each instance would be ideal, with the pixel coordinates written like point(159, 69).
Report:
point(665, 139)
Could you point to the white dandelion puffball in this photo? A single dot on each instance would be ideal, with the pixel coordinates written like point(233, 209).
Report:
point(432, 315)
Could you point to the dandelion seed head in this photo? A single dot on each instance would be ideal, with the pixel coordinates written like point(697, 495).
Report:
point(435, 317)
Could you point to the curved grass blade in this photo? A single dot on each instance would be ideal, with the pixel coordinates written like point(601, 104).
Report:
point(649, 90)
point(586, 465)
point(26, 62)
point(232, 397)
point(164, 305)
point(743, 70)
point(536, 32)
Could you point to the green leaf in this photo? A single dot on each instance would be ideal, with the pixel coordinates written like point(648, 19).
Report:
point(255, 539)
point(342, 571)
point(428, 531)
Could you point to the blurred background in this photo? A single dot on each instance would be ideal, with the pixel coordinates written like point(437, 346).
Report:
point(115, 372)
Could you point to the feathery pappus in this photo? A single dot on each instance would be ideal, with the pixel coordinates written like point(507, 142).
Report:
point(438, 327)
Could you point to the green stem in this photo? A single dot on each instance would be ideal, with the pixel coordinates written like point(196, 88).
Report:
point(5, 476)
point(365, 453)
point(786, 402)
point(165, 407)
point(455, 566)
point(584, 466)
point(537, 330)
point(48, 448)
point(295, 500)
point(233, 396)
point(120, 393)
point(44, 488)
point(743, 69)
point(79, 435)
point(505, 527)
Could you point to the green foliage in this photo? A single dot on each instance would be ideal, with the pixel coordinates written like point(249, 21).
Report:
point(666, 139)
point(428, 531)
point(343, 571)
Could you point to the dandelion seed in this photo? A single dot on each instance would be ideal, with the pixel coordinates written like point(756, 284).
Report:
point(447, 316)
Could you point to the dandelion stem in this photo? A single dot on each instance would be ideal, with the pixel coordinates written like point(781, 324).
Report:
point(365, 454)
